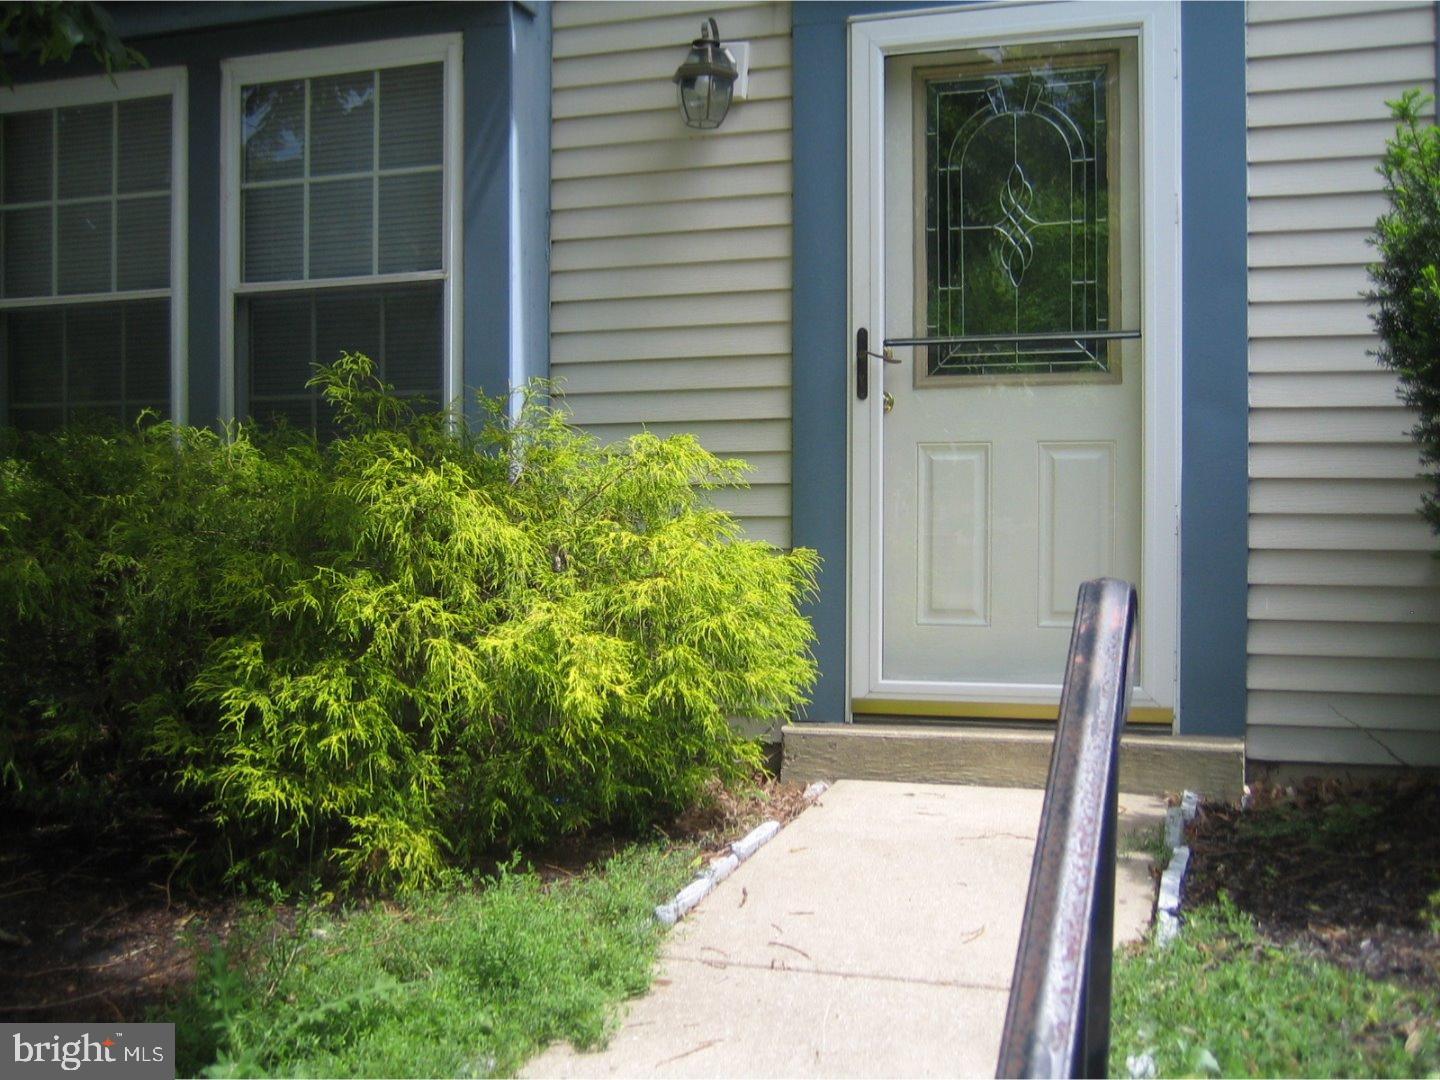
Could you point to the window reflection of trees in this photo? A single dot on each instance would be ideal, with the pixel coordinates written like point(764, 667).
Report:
point(273, 132)
point(1017, 218)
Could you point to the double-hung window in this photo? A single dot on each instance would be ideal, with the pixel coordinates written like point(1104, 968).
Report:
point(92, 244)
point(341, 223)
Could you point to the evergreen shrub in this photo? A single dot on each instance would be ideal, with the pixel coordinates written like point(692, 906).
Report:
point(386, 654)
point(1407, 283)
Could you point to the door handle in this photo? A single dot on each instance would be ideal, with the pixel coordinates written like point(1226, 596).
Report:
point(862, 362)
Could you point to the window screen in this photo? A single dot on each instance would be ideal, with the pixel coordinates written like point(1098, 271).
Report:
point(341, 180)
point(85, 261)
point(398, 327)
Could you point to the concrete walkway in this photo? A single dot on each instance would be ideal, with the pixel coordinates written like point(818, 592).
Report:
point(874, 936)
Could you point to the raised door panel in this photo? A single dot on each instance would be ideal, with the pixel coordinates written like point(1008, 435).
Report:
point(1076, 523)
point(953, 563)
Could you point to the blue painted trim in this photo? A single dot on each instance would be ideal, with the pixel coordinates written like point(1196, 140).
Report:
point(820, 400)
point(1214, 529)
point(531, 357)
point(506, 74)
point(1213, 489)
point(821, 377)
point(135, 21)
point(485, 196)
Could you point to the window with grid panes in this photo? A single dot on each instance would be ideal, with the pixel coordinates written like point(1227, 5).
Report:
point(341, 194)
point(85, 260)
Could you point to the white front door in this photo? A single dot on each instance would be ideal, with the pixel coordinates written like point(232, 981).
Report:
point(1002, 459)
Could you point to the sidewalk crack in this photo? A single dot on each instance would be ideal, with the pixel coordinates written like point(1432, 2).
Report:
point(959, 984)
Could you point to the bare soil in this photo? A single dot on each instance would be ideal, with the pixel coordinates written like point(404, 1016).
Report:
point(726, 815)
point(96, 927)
point(91, 927)
point(1344, 873)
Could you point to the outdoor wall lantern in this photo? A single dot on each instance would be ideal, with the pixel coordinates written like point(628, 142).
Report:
point(707, 79)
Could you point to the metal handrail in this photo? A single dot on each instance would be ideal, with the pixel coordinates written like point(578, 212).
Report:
point(1058, 1020)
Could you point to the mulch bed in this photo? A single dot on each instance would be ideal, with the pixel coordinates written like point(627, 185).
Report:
point(94, 927)
point(724, 816)
point(1343, 873)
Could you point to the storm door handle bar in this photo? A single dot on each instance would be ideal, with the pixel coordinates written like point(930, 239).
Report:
point(1010, 339)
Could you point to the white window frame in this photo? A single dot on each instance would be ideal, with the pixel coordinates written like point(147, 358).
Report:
point(871, 40)
point(318, 63)
point(103, 90)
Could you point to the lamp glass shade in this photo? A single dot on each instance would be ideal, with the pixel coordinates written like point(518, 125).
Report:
point(705, 99)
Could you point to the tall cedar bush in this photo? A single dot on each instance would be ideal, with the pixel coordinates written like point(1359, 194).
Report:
point(1407, 283)
point(388, 653)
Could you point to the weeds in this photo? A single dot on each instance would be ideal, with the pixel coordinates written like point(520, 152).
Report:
point(1222, 1001)
point(462, 982)
point(1149, 841)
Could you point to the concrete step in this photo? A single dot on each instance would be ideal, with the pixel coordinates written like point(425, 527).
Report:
point(1007, 757)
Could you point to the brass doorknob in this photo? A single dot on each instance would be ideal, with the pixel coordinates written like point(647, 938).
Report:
point(889, 400)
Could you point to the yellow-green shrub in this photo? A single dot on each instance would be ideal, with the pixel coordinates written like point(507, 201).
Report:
point(385, 654)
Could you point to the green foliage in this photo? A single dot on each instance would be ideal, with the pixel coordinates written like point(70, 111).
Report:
point(1221, 1001)
point(80, 651)
point(385, 654)
point(51, 30)
point(1342, 825)
point(1430, 914)
point(1406, 279)
point(458, 983)
point(1149, 841)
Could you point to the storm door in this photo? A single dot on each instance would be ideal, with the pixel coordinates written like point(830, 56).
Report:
point(1007, 431)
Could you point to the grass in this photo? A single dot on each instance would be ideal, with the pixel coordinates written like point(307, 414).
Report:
point(1220, 1001)
point(1336, 826)
point(1147, 840)
point(459, 983)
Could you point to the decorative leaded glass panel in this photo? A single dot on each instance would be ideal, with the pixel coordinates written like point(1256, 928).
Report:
point(1018, 235)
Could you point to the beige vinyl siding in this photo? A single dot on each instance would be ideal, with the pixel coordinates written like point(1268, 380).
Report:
point(671, 248)
point(1344, 640)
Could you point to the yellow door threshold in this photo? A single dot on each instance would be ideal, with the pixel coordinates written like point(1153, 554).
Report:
point(990, 710)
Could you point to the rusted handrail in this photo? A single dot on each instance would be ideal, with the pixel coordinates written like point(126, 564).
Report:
point(1058, 1020)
